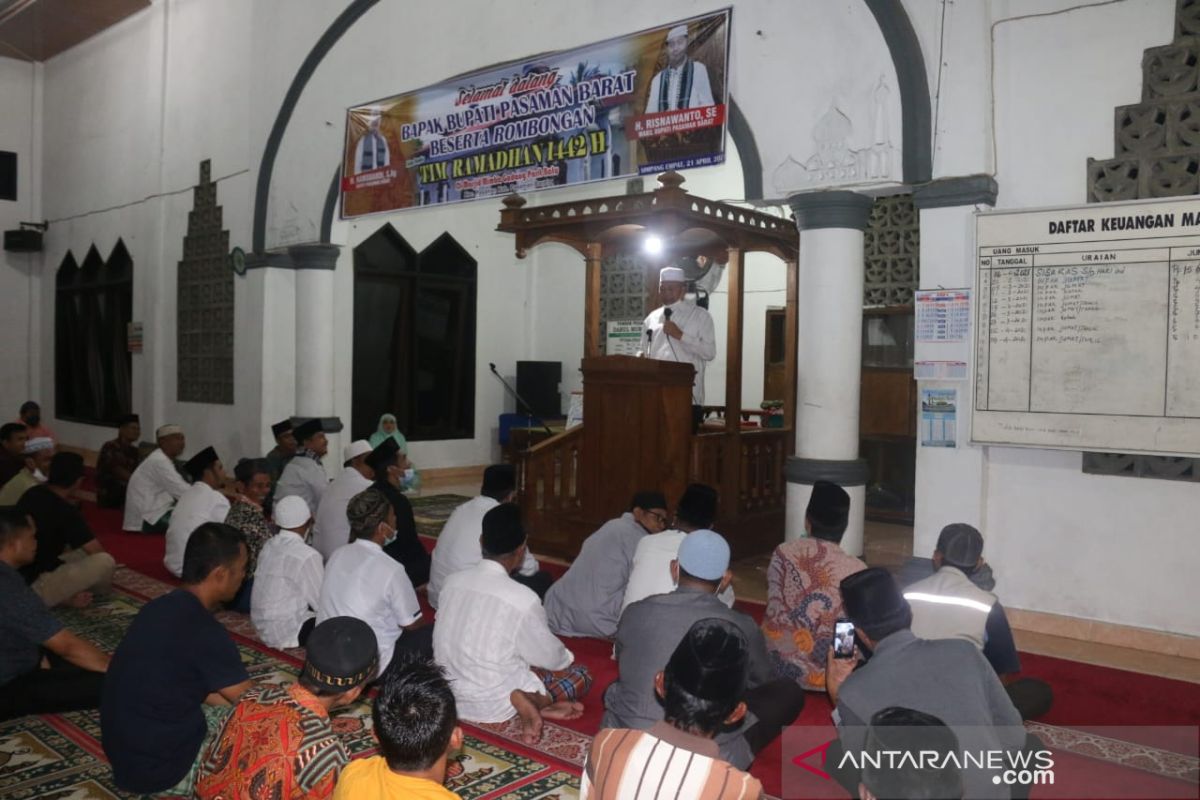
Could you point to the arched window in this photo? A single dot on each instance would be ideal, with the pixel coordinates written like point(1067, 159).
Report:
point(414, 337)
point(92, 310)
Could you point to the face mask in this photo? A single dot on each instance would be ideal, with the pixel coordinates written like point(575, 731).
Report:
point(391, 537)
point(37, 473)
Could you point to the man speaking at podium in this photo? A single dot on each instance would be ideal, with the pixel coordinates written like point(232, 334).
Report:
point(681, 331)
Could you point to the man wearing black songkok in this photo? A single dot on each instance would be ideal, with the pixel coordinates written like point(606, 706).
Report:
point(701, 689)
point(947, 678)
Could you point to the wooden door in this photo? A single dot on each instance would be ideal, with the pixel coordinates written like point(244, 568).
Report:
point(775, 355)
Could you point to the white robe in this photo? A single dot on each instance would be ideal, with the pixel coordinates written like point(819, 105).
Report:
point(697, 347)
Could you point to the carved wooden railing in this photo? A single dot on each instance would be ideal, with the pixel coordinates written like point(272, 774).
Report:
point(760, 484)
point(548, 480)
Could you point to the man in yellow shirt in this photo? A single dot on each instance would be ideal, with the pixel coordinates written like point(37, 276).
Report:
point(416, 723)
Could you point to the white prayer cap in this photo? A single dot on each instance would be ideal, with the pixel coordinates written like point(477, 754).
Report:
point(671, 274)
point(37, 445)
point(677, 31)
point(355, 449)
point(167, 430)
point(292, 512)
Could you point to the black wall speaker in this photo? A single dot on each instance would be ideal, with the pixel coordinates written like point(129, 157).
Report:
point(537, 383)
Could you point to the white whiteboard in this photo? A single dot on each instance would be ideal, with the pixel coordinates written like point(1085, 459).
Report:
point(1087, 333)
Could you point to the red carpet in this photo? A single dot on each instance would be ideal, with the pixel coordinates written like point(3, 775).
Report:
point(1085, 695)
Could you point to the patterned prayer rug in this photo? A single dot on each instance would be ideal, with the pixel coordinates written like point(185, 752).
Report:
point(431, 512)
point(59, 757)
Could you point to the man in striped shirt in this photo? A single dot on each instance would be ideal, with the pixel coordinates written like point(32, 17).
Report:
point(700, 690)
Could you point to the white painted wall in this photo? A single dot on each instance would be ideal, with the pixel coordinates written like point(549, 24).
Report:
point(20, 119)
point(1113, 549)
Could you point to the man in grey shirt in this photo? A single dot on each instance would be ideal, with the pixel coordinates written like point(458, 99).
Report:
point(651, 629)
point(586, 601)
point(947, 678)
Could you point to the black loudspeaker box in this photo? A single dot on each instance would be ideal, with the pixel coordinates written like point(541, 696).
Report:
point(537, 383)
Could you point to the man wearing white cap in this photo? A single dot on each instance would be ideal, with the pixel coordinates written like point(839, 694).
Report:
point(333, 529)
point(156, 485)
point(681, 331)
point(37, 452)
point(684, 83)
point(287, 580)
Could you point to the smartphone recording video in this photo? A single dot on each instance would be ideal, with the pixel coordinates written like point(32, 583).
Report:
point(843, 639)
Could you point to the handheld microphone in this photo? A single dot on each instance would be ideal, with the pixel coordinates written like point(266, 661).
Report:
point(649, 335)
point(667, 314)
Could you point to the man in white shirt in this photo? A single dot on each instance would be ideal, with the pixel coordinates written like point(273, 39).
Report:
point(457, 545)
point(201, 503)
point(651, 573)
point(156, 485)
point(363, 581)
point(494, 642)
point(333, 529)
point(304, 476)
point(681, 331)
point(287, 580)
point(684, 83)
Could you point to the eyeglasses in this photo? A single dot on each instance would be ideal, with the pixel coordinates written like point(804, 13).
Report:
point(663, 519)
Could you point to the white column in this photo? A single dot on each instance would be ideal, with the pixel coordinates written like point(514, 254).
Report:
point(315, 265)
point(829, 356)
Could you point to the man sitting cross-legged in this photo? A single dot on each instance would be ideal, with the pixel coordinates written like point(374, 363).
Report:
point(176, 672)
point(650, 629)
point(363, 581)
point(287, 589)
point(13, 436)
point(117, 461)
point(278, 742)
point(38, 452)
point(457, 545)
point(331, 529)
point(44, 668)
point(156, 484)
point(492, 638)
point(71, 564)
point(202, 502)
point(587, 600)
point(416, 723)
point(700, 688)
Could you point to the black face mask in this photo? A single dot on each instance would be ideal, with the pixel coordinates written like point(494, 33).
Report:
point(33, 420)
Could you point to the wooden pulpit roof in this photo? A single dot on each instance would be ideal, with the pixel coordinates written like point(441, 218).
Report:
point(685, 222)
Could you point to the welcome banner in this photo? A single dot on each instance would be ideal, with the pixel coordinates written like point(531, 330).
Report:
point(635, 105)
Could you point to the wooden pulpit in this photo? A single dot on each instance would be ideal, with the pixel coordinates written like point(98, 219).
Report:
point(637, 431)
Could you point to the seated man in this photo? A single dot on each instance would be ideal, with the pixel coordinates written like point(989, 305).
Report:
point(38, 452)
point(279, 742)
point(492, 638)
point(946, 678)
point(117, 461)
point(252, 481)
point(651, 571)
point(587, 600)
point(416, 723)
point(332, 530)
point(287, 586)
point(949, 605)
point(176, 672)
point(902, 730)
point(44, 668)
point(457, 546)
point(70, 564)
point(304, 476)
point(156, 484)
point(202, 502)
point(13, 436)
point(803, 600)
point(650, 629)
point(390, 464)
point(362, 581)
point(700, 687)
point(31, 417)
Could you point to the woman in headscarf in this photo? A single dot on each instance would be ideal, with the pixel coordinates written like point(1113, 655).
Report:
point(387, 427)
